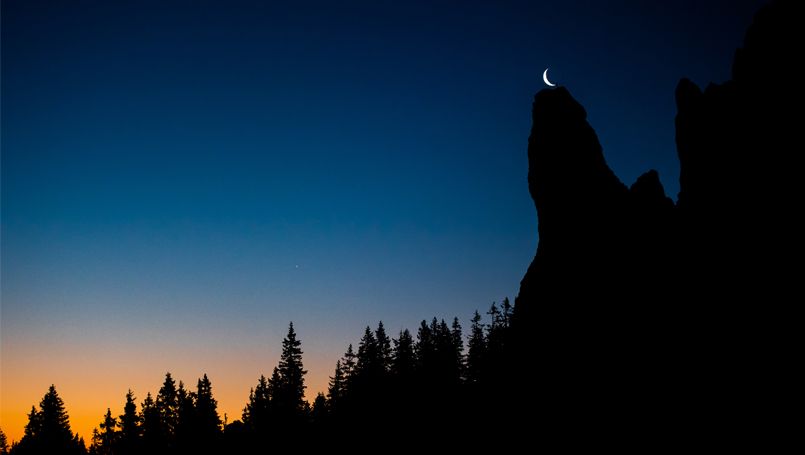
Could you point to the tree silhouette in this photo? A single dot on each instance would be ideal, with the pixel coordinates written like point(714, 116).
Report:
point(476, 351)
point(404, 360)
point(384, 353)
point(168, 405)
point(457, 358)
point(368, 364)
point(3, 443)
point(348, 364)
point(151, 424)
point(186, 424)
point(48, 430)
point(318, 414)
point(129, 426)
point(336, 388)
point(207, 418)
point(291, 386)
point(104, 441)
point(256, 414)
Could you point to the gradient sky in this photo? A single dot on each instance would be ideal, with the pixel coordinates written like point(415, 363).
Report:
point(180, 180)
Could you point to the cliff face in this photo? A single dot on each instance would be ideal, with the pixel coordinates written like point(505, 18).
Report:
point(645, 310)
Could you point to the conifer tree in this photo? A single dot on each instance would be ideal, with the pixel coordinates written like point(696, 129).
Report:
point(104, 442)
point(367, 355)
point(256, 413)
point(168, 406)
point(129, 426)
point(290, 389)
point(151, 425)
point(48, 430)
point(336, 387)
point(506, 311)
point(425, 348)
point(384, 353)
point(318, 414)
point(291, 370)
point(186, 424)
point(209, 422)
point(348, 365)
point(404, 361)
point(3, 443)
point(32, 428)
point(55, 425)
point(458, 348)
point(476, 350)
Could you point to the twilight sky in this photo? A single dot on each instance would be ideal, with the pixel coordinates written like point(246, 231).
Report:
point(180, 180)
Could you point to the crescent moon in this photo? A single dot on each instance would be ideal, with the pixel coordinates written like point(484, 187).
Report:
point(545, 78)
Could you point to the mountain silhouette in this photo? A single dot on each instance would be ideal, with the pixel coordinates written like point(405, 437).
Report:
point(637, 311)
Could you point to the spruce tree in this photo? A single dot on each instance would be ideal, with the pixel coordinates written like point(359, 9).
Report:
point(506, 311)
point(209, 422)
point(367, 356)
point(458, 348)
point(318, 414)
point(3, 443)
point(336, 386)
point(425, 348)
point(404, 361)
point(129, 426)
point(151, 425)
point(168, 405)
point(348, 364)
point(55, 425)
point(256, 413)
point(104, 442)
point(384, 353)
point(290, 367)
point(476, 351)
point(48, 430)
point(186, 424)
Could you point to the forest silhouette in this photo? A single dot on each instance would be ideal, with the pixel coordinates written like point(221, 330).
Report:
point(388, 388)
point(620, 332)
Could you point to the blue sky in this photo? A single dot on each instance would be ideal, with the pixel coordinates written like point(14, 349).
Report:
point(181, 178)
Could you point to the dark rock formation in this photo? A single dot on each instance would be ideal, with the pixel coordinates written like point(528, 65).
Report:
point(649, 316)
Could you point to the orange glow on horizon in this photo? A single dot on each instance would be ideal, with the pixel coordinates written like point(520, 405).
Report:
point(89, 385)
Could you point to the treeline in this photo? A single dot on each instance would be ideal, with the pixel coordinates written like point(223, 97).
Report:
point(400, 390)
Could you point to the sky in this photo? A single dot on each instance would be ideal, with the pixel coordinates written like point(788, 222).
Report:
point(182, 179)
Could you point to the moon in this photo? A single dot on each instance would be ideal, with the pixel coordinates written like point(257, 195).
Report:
point(545, 78)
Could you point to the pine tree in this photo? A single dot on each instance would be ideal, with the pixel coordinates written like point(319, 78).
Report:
point(336, 387)
point(319, 412)
point(129, 426)
point(186, 424)
point(506, 311)
point(209, 422)
point(34, 425)
point(425, 348)
point(256, 413)
point(3, 443)
point(48, 430)
point(104, 442)
point(291, 369)
point(290, 388)
point(367, 356)
point(404, 361)
point(384, 353)
point(458, 348)
point(151, 425)
point(168, 405)
point(348, 364)
point(55, 425)
point(476, 350)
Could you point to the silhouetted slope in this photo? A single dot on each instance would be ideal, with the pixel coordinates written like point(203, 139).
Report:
point(642, 318)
